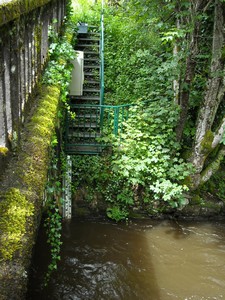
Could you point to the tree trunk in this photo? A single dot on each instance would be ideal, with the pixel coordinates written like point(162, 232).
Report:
point(195, 9)
point(205, 139)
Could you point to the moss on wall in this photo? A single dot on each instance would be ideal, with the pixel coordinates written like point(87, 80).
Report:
point(22, 188)
point(29, 174)
point(14, 211)
point(15, 8)
point(3, 151)
point(21, 198)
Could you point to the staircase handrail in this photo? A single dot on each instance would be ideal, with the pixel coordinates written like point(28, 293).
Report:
point(112, 123)
point(102, 84)
point(73, 105)
point(120, 113)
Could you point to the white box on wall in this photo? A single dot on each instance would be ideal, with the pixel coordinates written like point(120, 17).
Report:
point(77, 81)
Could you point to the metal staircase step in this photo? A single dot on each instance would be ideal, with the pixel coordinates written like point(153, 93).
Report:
point(87, 116)
point(90, 74)
point(88, 98)
point(91, 67)
point(85, 135)
point(92, 53)
point(84, 149)
point(85, 98)
point(91, 63)
point(87, 45)
point(88, 34)
point(88, 39)
point(91, 91)
point(86, 125)
point(91, 59)
point(94, 82)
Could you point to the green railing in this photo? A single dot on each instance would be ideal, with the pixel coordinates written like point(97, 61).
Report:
point(88, 117)
point(102, 56)
point(86, 128)
point(102, 82)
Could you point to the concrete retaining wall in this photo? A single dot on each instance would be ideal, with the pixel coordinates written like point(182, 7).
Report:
point(23, 53)
point(28, 116)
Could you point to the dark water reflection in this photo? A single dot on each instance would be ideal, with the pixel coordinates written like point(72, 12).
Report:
point(143, 260)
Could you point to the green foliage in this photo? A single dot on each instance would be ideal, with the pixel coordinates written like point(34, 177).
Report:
point(59, 68)
point(86, 11)
point(53, 220)
point(148, 154)
point(57, 73)
point(90, 171)
point(117, 214)
point(136, 63)
point(145, 165)
point(95, 174)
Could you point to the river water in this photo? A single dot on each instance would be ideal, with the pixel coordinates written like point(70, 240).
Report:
point(143, 260)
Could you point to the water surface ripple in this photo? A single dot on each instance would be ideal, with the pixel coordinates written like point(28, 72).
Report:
point(147, 260)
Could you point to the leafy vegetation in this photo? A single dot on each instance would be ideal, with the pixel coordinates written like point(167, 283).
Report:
point(137, 64)
point(146, 155)
point(53, 220)
point(58, 72)
point(161, 56)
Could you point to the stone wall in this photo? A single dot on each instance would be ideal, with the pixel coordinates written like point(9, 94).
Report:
point(23, 53)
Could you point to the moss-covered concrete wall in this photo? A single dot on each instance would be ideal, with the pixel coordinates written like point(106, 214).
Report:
point(30, 110)
point(22, 192)
point(24, 26)
point(15, 8)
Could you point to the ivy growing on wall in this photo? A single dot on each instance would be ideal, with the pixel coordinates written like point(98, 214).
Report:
point(57, 73)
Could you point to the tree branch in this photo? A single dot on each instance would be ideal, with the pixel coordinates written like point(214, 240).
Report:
point(213, 95)
point(211, 101)
point(213, 167)
point(207, 5)
point(219, 134)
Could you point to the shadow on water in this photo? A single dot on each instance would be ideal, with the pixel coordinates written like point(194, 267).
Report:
point(99, 260)
point(145, 260)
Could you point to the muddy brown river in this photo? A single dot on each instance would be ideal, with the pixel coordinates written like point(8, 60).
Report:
point(144, 260)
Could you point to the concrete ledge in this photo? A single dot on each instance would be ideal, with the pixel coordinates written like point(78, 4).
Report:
point(11, 10)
